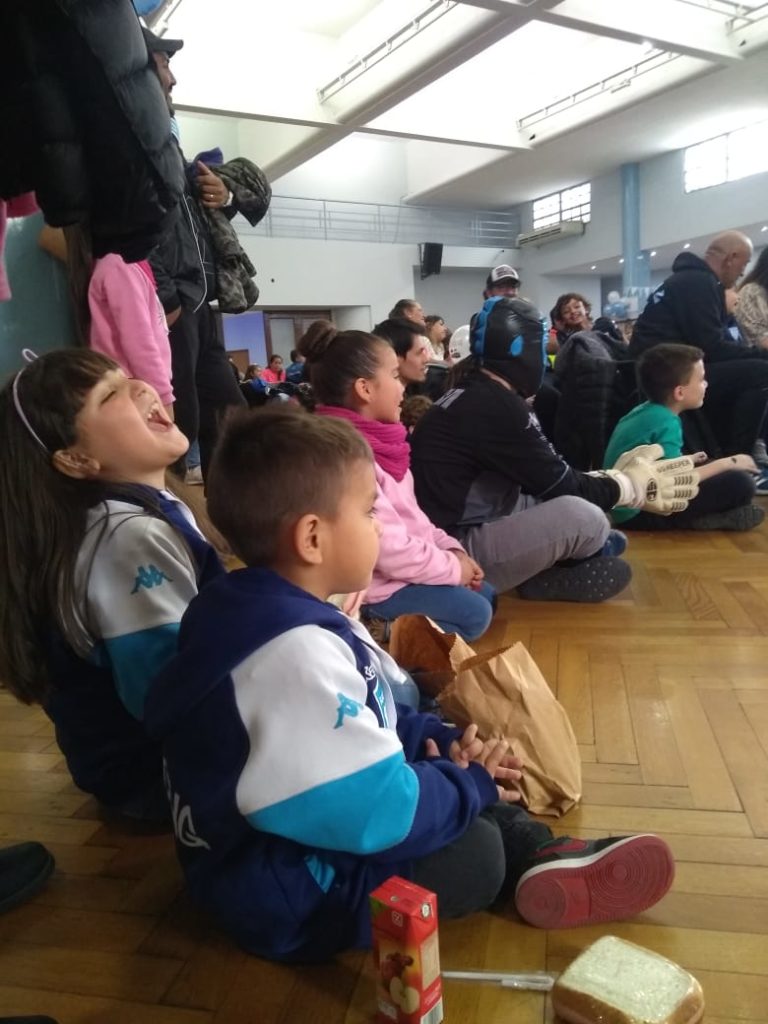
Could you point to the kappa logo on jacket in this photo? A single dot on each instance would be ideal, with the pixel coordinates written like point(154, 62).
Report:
point(183, 825)
point(348, 707)
point(148, 578)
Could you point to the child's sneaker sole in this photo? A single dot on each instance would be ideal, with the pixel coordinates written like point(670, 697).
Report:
point(738, 520)
point(612, 884)
point(590, 582)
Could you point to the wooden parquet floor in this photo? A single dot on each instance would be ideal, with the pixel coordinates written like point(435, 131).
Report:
point(667, 689)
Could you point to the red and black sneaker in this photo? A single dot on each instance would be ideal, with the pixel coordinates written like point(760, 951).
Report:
point(572, 882)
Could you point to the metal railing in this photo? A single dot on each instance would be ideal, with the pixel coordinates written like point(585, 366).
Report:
point(377, 222)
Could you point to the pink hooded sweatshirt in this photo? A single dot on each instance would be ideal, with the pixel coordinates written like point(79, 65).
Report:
point(128, 322)
point(411, 548)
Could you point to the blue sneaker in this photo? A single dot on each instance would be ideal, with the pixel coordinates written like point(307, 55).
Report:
point(761, 482)
point(616, 544)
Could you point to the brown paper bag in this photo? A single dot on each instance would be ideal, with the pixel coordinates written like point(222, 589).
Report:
point(505, 694)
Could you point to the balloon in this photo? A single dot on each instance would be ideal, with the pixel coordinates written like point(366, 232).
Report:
point(460, 343)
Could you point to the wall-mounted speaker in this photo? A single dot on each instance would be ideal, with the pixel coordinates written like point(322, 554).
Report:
point(431, 254)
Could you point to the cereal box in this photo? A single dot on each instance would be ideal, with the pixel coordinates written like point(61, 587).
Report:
point(406, 954)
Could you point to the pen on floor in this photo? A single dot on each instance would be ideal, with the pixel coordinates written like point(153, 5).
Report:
point(535, 981)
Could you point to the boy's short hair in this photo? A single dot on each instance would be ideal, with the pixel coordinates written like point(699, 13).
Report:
point(664, 367)
point(272, 466)
point(413, 408)
point(400, 333)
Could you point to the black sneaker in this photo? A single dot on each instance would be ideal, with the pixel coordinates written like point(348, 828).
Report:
point(573, 882)
point(24, 870)
point(588, 582)
point(746, 517)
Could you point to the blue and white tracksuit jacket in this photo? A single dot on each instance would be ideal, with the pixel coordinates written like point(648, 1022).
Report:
point(136, 573)
point(296, 786)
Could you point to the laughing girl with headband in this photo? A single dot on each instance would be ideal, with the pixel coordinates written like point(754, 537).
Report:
point(98, 564)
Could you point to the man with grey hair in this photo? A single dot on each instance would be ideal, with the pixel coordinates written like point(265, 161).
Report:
point(689, 307)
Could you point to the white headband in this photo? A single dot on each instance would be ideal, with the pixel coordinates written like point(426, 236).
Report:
point(29, 356)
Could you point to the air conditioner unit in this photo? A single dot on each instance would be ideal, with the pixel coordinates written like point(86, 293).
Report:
point(551, 233)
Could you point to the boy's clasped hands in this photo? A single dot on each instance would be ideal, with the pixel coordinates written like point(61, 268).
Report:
point(491, 754)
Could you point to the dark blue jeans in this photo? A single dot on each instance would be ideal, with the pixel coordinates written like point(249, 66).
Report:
point(454, 609)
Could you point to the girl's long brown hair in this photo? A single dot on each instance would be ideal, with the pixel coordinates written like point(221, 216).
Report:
point(43, 516)
point(79, 271)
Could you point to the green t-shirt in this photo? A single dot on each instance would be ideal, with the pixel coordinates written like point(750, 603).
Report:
point(648, 423)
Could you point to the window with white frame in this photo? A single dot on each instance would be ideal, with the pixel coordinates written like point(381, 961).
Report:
point(570, 204)
point(727, 157)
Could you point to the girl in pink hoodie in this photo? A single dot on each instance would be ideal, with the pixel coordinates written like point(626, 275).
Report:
point(128, 322)
point(117, 311)
point(420, 570)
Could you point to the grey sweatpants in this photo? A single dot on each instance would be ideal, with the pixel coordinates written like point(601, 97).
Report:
point(535, 536)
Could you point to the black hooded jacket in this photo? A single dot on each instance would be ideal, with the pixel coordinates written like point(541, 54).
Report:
point(84, 123)
point(689, 308)
point(479, 448)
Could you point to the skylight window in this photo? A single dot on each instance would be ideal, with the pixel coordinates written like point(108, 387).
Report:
point(727, 157)
point(571, 204)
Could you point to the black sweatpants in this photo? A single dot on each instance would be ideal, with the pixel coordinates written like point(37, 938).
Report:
point(470, 873)
point(203, 382)
point(736, 401)
point(717, 494)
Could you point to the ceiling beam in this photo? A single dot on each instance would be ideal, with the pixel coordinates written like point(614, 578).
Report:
point(515, 145)
point(510, 141)
point(425, 58)
point(693, 34)
point(401, 75)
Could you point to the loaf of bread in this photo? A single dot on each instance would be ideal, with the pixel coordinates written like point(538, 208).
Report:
point(617, 982)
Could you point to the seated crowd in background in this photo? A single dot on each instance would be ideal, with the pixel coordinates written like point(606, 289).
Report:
point(689, 307)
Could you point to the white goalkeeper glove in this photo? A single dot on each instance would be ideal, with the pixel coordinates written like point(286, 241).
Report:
point(651, 483)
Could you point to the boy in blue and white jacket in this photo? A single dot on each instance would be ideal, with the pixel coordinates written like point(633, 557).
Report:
point(296, 783)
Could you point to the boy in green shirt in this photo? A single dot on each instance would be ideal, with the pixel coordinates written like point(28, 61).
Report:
point(673, 378)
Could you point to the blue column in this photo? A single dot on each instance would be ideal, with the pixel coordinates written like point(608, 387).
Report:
point(636, 278)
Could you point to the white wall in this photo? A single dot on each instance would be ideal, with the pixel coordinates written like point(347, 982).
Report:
point(360, 169)
point(601, 238)
point(542, 269)
point(361, 281)
point(199, 132)
point(293, 272)
point(669, 214)
point(367, 278)
point(454, 294)
point(352, 318)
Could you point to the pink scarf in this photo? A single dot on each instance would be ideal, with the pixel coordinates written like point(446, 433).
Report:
point(388, 441)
